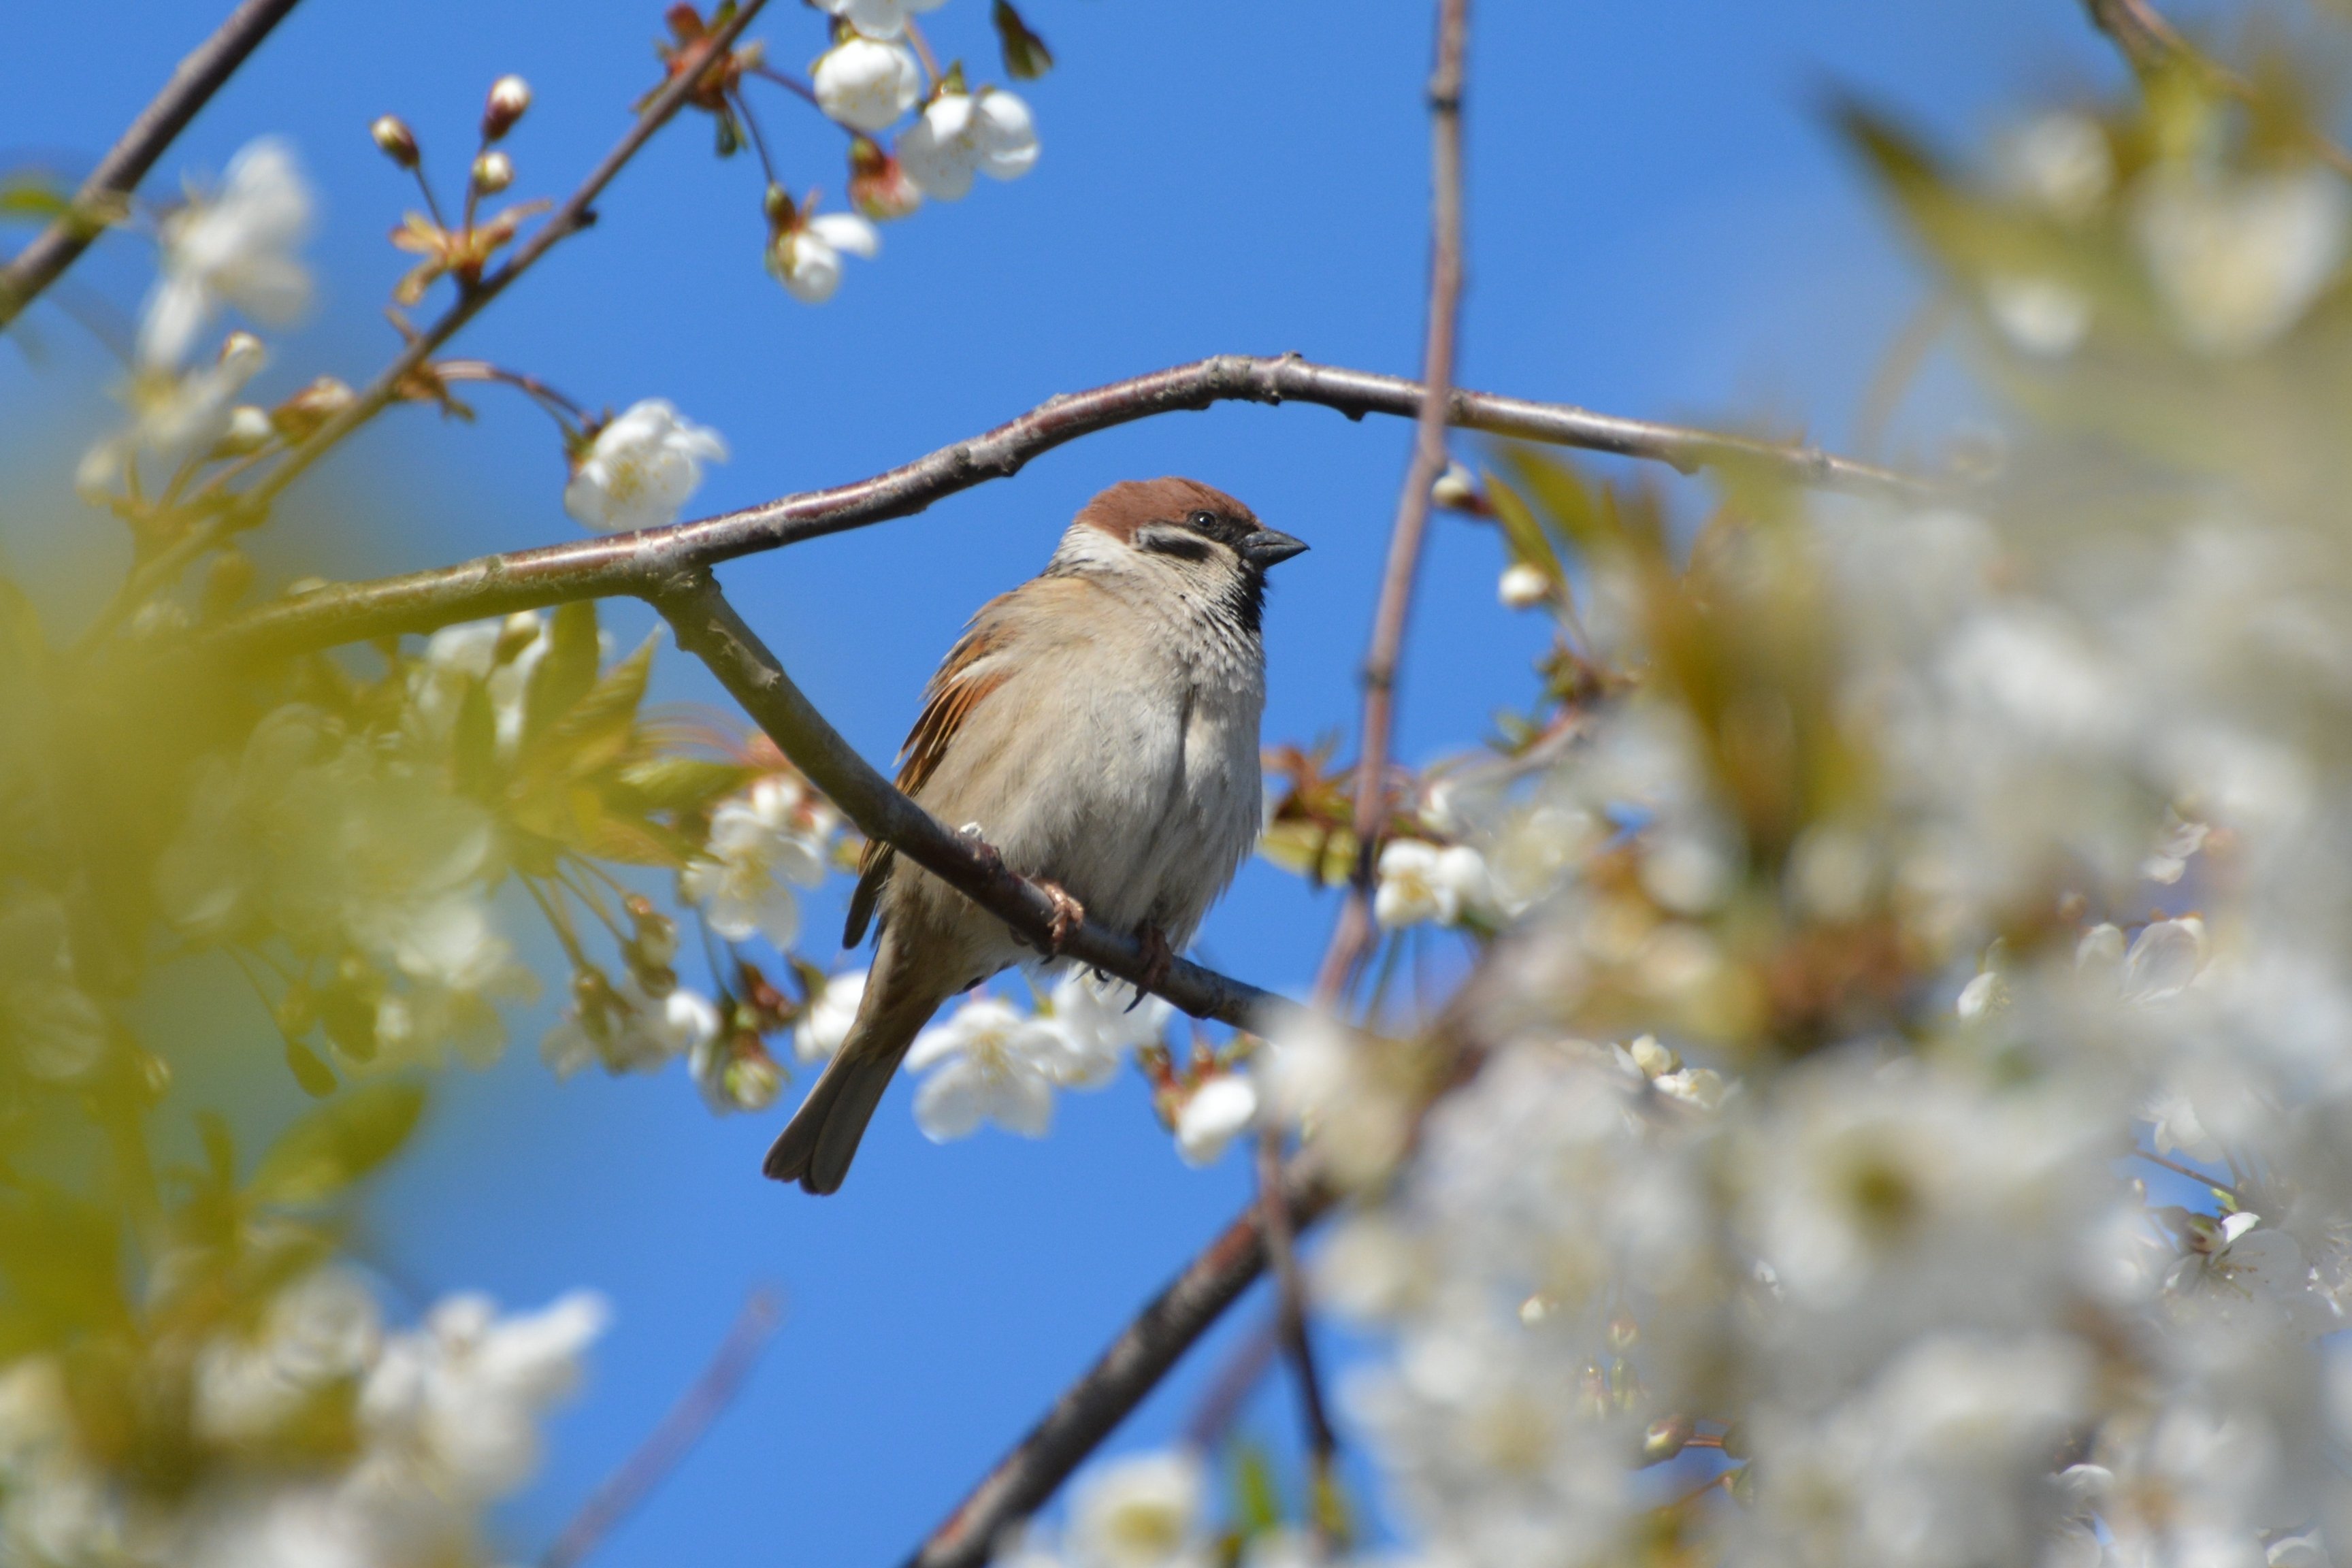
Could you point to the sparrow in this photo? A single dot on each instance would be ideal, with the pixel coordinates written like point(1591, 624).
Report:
point(1098, 727)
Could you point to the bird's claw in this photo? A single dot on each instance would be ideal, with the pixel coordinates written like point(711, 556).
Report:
point(1158, 959)
point(1068, 916)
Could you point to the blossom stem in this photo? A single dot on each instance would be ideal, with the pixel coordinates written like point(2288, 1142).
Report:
point(638, 563)
point(799, 89)
point(2197, 1177)
point(432, 202)
point(560, 922)
point(108, 189)
point(923, 54)
point(758, 142)
point(676, 1435)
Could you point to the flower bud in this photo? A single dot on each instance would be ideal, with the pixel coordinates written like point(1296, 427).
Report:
point(752, 1080)
point(242, 356)
point(493, 172)
point(227, 582)
point(509, 96)
point(398, 141)
point(1522, 586)
point(878, 186)
point(1666, 1439)
point(1456, 491)
point(312, 406)
point(248, 431)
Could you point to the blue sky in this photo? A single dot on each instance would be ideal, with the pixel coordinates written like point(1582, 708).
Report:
point(1659, 226)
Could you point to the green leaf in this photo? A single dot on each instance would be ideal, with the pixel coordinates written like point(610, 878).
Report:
point(1257, 1499)
point(335, 1145)
point(568, 670)
point(30, 198)
point(1529, 544)
point(1026, 57)
point(316, 1078)
point(681, 785)
point(475, 745)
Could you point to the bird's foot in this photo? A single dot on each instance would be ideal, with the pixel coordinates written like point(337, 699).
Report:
point(1158, 959)
point(1068, 916)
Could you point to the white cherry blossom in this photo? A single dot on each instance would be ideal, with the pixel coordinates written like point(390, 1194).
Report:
point(1218, 1109)
point(640, 470)
point(989, 1062)
point(806, 257)
point(2238, 260)
point(235, 248)
point(1421, 881)
point(1100, 1022)
point(960, 134)
point(764, 842)
point(822, 1029)
point(1148, 1510)
point(877, 18)
point(865, 83)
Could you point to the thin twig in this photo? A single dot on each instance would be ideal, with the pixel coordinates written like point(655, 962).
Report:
point(1407, 536)
point(687, 1420)
point(708, 626)
point(2150, 45)
point(624, 565)
point(576, 214)
point(1130, 1368)
point(2197, 1177)
point(102, 195)
point(1290, 1323)
point(1230, 1389)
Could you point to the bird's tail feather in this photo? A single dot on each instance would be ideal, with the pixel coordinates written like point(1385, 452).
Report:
point(818, 1145)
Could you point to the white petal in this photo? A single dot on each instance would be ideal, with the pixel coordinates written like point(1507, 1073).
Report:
point(846, 231)
point(951, 1101)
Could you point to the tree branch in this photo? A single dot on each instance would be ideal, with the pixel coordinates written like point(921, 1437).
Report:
point(576, 214)
point(110, 186)
point(1130, 1368)
point(629, 564)
point(679, 1430)
point(708, 628)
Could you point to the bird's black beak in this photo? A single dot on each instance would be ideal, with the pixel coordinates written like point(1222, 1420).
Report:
point(1268, 546)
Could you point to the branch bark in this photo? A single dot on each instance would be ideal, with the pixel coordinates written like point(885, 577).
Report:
point(102, 194)
point(708, 627)
point(1130, 1368)
point(631, 564)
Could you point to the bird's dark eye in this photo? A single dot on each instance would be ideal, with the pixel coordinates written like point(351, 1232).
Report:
point(1203, 520)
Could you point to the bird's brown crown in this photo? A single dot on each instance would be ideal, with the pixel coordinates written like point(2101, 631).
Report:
point(1131, 504)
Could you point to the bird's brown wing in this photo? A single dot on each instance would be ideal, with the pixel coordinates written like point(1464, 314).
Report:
point(964, 680)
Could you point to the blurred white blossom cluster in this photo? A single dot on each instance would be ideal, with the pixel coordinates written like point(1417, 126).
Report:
point(989, 1063)
point(1908, 1016)
point(409, 1434)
